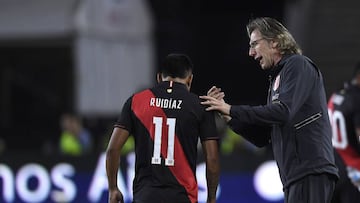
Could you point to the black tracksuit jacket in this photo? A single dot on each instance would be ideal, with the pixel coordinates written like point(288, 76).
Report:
point(295, 120)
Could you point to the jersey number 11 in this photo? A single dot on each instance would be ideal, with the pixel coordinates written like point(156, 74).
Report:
point(158, 122)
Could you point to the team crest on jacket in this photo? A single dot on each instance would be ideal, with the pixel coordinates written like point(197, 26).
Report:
point(277, 83)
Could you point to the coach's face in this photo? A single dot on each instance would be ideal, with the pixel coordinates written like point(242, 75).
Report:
point(263, 50)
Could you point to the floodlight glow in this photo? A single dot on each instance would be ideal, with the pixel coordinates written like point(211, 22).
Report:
point(267, 181)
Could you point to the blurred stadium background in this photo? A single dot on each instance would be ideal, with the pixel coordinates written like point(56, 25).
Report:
point(88, 56)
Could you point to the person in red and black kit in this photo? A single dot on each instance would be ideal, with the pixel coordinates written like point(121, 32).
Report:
point(344, 112)
point(295, 119)
point(167, 121)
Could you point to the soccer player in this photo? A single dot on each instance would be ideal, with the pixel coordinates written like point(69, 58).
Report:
point(166, 121)
point(344, 111)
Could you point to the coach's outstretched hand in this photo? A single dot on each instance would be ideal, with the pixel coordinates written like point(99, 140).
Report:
point(215, 102)
point(216, 93)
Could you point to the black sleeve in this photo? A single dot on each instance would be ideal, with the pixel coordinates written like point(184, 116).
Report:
point(124, 120)
point(256, 134)
point(276, 113)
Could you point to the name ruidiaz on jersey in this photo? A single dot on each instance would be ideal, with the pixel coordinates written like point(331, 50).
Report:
point(165, 103)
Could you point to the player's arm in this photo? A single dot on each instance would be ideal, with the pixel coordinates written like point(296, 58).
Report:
point(211, 153)
point(354, 173)
point(117, 140)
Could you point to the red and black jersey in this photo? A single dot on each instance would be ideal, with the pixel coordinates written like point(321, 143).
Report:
point(167, 122)
point(344, 111)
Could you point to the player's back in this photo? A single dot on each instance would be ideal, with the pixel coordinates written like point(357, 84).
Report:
point(170, 121)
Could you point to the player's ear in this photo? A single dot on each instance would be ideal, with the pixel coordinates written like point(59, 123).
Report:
point(158, 77)
point(189, 80)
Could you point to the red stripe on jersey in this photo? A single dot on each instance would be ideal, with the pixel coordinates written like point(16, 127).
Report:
point(181, 170)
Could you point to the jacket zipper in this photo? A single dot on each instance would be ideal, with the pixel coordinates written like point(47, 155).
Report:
point(307, 121)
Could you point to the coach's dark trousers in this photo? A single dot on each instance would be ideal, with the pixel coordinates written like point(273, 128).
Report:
point(311, 189)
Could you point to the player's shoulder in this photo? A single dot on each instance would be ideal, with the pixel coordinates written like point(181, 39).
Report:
point(195, 97)
point(346, 95)
point(338, 97)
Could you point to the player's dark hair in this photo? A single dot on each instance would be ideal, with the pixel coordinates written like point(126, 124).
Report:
point(176, 66)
